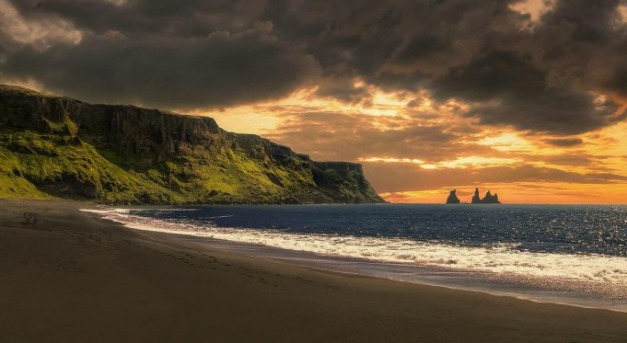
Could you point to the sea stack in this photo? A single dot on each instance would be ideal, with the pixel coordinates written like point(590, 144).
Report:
point(452, 197)
point(488, 199)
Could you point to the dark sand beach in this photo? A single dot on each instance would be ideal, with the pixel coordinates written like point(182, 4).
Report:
point(73, 277)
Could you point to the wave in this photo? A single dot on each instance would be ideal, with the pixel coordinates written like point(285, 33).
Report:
point(599, 274)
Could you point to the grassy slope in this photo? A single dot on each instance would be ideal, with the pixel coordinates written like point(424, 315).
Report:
point(61, 166)
point(56, 158)
point(35, 165)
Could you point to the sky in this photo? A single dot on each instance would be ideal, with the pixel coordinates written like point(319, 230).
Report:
point(526, 98)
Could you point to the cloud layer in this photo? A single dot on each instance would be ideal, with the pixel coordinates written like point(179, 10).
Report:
point(427, 94)
point(558, 69)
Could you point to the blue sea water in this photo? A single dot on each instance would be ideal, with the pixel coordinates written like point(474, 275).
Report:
point(583, 229)
point(575, 254)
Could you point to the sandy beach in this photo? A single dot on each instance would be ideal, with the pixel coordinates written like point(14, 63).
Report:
point(73, 277)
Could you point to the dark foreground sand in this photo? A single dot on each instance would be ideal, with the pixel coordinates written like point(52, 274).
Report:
point(75, 278)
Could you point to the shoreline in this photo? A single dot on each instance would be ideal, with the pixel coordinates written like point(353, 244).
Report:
point(355, 266)
point(548, 290)
point(73, 276)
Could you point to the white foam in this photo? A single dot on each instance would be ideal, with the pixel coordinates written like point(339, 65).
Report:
point(578, 272)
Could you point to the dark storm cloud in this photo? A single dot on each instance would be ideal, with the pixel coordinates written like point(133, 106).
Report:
point(564, 142)
point(161, 53)
point(509, 89)
point(619, 80)
point(341, 88)
point(580, 160)
point(541, 77)
point(219, 69)
point(191, 18)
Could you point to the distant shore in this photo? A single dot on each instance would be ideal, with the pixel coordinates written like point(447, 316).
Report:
point(68, 276)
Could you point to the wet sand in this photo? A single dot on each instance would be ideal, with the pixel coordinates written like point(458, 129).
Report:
point(73, 277)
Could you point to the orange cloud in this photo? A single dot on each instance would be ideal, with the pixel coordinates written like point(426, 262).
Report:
point(415, 150)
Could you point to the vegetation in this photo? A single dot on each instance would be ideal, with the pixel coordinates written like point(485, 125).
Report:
point(59, 147)
point(34, 165)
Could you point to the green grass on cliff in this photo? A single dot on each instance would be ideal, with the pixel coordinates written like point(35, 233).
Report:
point(16, 187)
point(229, 176)
point(35, 165)
point(59, 147)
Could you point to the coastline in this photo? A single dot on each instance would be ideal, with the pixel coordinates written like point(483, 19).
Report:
point(526, 275)
point(73, 276)
point(408, 273)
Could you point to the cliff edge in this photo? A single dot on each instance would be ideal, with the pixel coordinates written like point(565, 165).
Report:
point(53, 146)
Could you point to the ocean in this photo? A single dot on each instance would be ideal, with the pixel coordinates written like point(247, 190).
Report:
point(571, 254)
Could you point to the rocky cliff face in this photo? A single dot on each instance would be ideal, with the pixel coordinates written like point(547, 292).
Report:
point(56, 146)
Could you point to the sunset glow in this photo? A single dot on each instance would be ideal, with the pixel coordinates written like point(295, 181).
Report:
point(523, 167)
point(524, 97)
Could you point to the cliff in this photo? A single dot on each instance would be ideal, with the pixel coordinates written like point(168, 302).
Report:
point(54, 146)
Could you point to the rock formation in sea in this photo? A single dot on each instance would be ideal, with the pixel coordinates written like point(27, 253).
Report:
point(452, 198)
point(53, 146)
point(487, 199)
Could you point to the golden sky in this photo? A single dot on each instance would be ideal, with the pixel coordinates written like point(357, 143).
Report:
point(526, 98)
point(415, 151)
